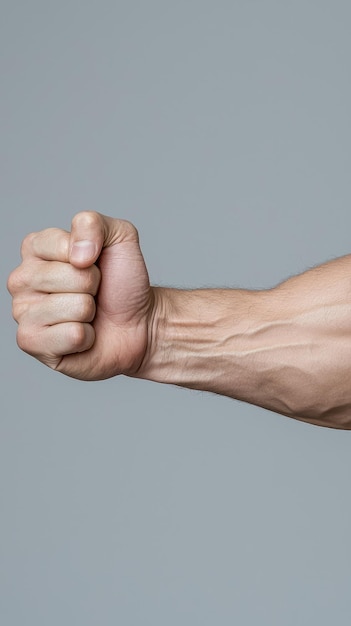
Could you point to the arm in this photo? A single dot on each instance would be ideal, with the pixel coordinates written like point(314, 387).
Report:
point(286, 349)
point(92, 314)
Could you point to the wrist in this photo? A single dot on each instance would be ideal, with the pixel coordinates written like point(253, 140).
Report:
point(285, 349)
point(202, 339)
point(233, 342)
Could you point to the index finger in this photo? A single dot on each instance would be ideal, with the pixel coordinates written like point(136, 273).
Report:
point(51, 244)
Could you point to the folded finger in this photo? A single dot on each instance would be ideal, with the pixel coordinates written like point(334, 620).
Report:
point(56, 277)
point(50, 309)
point(50, 343)
point(51, 244)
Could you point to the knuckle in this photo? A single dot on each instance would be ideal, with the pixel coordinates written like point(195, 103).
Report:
point(25, 339)
point(19, 309)
point(86, 218)
point(91, 280)
point(52, 232)
point(27, 244)
point(87, 281)
point(11, 283)
point(24, 277)
point(87, 308)
point(130, 230)
point(77, 336)
point(54, 239)
point(15, 281)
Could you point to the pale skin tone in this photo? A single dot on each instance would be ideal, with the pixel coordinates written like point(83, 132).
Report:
point(85, 307)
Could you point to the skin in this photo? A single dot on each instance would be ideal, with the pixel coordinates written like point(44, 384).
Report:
point(85, 307)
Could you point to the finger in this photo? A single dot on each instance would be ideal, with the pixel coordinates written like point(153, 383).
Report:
point(51, 244)
point(50, 309)
point(54, 277)
point(91, 232)
point(50, 343)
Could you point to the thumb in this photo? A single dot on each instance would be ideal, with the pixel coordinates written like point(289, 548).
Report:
point(91, 232)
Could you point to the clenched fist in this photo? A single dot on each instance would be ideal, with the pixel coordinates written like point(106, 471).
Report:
point(83, 299)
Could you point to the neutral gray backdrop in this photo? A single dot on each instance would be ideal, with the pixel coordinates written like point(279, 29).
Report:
point(222, 130)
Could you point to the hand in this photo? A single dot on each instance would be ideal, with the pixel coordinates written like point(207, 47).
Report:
point(83, 299)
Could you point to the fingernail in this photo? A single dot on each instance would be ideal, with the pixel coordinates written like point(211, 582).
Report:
point(83, 250)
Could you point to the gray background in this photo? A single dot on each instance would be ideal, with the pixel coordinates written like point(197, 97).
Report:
point(222, 130)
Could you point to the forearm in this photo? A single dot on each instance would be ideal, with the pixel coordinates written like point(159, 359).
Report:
point(287, 349)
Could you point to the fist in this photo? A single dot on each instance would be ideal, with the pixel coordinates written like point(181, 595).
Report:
point(82, 300)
